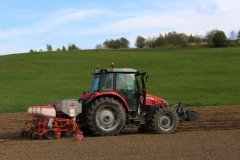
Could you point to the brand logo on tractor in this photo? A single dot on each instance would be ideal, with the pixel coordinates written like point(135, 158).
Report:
point(150, 98)
point(71, 106)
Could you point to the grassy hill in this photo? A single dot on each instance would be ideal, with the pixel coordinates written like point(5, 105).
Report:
point(194, 76)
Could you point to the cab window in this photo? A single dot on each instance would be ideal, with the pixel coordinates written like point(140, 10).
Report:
point(95, 83)
point(106, 82)
point(126, 82)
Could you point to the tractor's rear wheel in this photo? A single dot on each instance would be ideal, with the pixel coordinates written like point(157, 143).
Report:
point(82, 122)
point(164, 121)
point(106, 117)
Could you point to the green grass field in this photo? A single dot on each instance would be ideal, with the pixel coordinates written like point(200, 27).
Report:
point(195, 76)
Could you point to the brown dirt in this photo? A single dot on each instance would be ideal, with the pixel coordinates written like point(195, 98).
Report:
point(216, 135)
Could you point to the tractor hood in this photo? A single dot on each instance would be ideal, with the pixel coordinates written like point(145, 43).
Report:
point(153, 100)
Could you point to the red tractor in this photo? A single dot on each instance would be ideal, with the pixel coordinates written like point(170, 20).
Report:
point(118, 98)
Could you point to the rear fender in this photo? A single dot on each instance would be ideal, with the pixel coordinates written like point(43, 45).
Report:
point(108, 94)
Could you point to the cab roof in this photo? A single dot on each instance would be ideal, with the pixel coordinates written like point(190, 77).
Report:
point(114, 70)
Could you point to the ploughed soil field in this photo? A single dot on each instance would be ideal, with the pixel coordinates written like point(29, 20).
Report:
point(216, 135)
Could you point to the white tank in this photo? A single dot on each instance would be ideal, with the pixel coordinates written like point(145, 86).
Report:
point(34, 110)
point(38, 110)
point(71, 107)
point(30, 110)
point(48, 111)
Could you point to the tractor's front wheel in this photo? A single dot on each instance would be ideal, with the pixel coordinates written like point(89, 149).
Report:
point(106, 117)
point(164, 121)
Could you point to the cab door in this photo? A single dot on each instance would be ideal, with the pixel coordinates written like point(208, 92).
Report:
point(126, 86)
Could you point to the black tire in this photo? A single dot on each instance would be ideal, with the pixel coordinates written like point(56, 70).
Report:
point(164, 121)
point(106, 117)
point(81, 120)
point(23, 133)
point(36, 136)
point(50, 134)
point(86, 131)
point(30, 134)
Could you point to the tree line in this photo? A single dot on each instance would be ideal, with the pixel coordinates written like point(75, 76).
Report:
point(114, 44)
point(49, 48)
point(213, 38)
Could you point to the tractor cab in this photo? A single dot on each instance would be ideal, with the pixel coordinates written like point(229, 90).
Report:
point(123, 81)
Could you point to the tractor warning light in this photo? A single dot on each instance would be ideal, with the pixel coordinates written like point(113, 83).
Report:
point(98, 66)
point(112, 65)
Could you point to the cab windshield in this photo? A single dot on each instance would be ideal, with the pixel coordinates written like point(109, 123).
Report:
point(106, 82)
point(95, 83)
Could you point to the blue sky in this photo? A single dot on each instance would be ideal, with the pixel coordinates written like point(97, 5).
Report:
point(29, 24)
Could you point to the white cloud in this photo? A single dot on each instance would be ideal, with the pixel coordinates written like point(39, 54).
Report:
point(195, 20)
point(16, 40)
point(51, 23)
point(218, 14)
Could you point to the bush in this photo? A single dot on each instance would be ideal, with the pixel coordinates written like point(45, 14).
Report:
point(160, 41)
point(140, 42)
point(31, 51)
point(219, 39)
point(73, 47)
point(49, 47)
point(115, 44)
point(124, 43)
point(209, 36)
point(99, 46)
point(172, 39)
point(64, 48)
point(238, 35)
point(176, 39)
